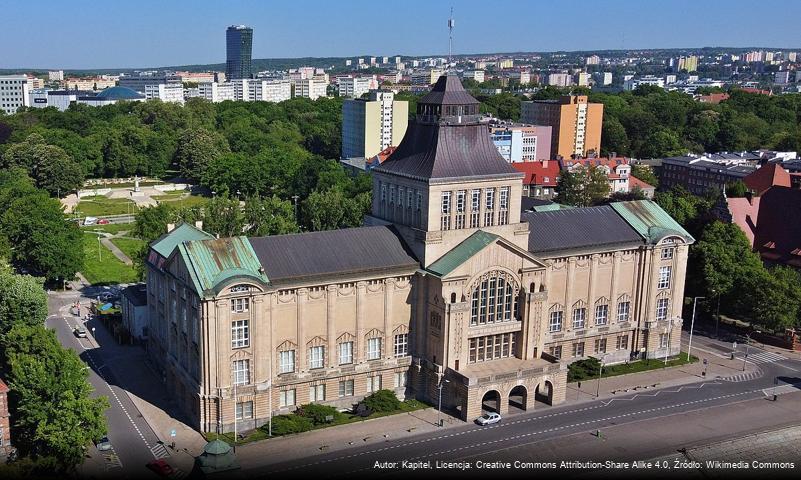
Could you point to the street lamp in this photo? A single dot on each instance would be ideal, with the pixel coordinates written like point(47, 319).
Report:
point(439, 407)
point(692, 325)
point(600, 373)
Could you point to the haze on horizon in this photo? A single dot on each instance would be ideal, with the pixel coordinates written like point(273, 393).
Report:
point(153, 33)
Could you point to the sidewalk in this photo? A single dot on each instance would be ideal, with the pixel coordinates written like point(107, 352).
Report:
point(381, 430)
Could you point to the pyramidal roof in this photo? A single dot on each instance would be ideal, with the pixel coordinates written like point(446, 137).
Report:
point(446, 141)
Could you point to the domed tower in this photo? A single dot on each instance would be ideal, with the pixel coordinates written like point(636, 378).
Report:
point(446, 179)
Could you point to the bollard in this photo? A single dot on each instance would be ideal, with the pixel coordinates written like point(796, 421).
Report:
point(774, 397)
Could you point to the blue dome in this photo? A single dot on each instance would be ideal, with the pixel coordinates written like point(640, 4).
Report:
point(120, 93)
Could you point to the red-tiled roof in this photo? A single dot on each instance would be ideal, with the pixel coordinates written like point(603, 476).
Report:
point(769, 175)
point(756, 90)
point(744, 214)
point(385, 153)
point(537, 172)
point(636, 182)
point(612, 163)
point(713, 98)
point(3, 386)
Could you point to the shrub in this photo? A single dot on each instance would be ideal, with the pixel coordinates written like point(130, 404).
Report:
point(286, 424)
point(382, 401)
point(582, 369)
point(317, 413)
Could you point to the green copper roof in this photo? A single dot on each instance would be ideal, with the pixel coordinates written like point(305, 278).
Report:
point(649, 220)
point(215, 261)
point(184, 232)
point(461, 253)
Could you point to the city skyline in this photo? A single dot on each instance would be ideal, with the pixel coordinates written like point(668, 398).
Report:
point(184, 36)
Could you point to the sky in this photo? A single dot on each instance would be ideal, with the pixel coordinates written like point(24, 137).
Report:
point(84, 34)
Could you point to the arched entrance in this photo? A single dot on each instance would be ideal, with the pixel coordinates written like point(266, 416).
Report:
point(491, 401)
point(544, 393)
point(518, 398)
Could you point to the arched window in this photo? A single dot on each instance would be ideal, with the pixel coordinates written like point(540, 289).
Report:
point(494, 299)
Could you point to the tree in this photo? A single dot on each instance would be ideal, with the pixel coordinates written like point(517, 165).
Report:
point(644, 173)
point(331, 209)
point(22, 300)
point(736, 189)
point(55, 416)
point(50, 166)
point(269, 216)
point(151, 222)
point(197, 148)
point(582, 187)
point(223, 217)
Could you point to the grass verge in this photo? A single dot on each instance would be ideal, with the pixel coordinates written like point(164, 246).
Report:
point(101, 206)
point(587, 369)
point(100, 266)
point(129, 246)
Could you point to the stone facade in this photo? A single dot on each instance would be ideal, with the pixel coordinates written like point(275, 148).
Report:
point(5, 424)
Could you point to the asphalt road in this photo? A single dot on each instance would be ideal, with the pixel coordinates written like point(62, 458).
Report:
point(130, 435)
point(637, 426)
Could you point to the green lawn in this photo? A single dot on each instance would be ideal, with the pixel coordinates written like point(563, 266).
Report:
point(101, 266)
point(101, 206)
point(576, 374)
point(112, 228)
point(129, 246)
point(261, 432)
point(179, 201)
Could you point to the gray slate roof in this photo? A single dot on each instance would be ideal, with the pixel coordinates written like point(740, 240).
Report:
point(575, 228)
point(440, 151)
point(448, 91)
point(335, 252)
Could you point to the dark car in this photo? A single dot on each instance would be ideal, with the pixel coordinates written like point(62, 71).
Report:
point(161, 467)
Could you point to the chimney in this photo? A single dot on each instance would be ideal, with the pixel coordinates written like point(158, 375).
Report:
point(199, 224)
point(170, 227)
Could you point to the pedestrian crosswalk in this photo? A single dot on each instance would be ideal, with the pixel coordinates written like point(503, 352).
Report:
point(159, 451)
point(112, 460)
point(761, 356)
point(743, 377)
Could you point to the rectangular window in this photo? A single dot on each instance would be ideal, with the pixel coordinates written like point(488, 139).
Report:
point(244, 410)
point(373, 349)
point(664, 277)
point(345, 353)
point(346, 388)
point(600, 345)
point(446, 203)
point(579, 317)
point(317, 393)
point(578, 349)
point(373, 383)
point(317, 357)
point(400, 379)
point(601, 314)
point(460, 201)
point(556, 352)
point(489, 206)
point(475, 206)
point(241, 371)
point(240, 305)
point(667, 253)
point(402, 345)
point(663, 340)
point(503, 206)
point(287, 361)
point(240, 334)
point(622, 342)
point(623, 311)
point(555, 322)
point(286, 398)
point(662, 309)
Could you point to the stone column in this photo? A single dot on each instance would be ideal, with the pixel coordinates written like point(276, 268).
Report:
point(613, 289)
point(261, 349)
point(302, 296)
point(568, 315)
point(330, 316)
point(591, 290)
point(389, 290)
point(361, 288)
point(217, 349)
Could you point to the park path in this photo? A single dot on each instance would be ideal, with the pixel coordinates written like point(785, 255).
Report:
point(106, 241)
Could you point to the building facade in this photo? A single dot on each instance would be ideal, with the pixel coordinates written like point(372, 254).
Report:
point(355, 87)
point(14, 93)
point(5, 424)
point(311, 88)
point(173, 93)
point(576, 124)
point(238, 51)
point(448, 287)
point(371, 125)
point(521, 143)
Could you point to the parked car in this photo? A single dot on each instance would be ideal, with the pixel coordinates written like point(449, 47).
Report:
point(90, 221)
point(161, 467)
point(80, 331)
point(103, 444)
point(488, 419)
point(103, 221)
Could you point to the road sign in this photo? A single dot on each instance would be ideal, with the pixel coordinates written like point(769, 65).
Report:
point(172, 432)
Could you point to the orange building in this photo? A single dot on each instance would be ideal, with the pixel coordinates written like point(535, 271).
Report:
point(576, 124)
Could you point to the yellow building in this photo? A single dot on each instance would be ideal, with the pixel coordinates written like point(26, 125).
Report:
point(576, 124)
point(369, 126)
point(449, 287)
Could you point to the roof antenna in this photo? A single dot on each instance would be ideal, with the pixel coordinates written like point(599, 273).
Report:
point(451, 24)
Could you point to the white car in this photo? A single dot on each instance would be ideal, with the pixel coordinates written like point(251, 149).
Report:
point(488, 418)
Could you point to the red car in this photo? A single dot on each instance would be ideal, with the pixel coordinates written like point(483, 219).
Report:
point(103, 221)
point(161, 467)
